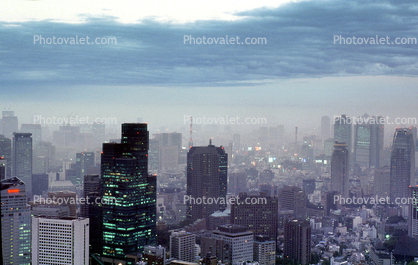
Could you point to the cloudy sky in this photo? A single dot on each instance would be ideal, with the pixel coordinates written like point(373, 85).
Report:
point(297, 76)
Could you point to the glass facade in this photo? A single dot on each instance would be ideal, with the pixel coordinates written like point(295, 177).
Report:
point(128, 194)
point(402, 164)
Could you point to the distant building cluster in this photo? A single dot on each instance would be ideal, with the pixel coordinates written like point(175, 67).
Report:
point(86, 195)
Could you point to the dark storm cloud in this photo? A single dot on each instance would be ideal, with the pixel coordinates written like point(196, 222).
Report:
point(300, 43)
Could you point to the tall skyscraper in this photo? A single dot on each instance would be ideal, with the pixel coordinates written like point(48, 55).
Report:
point(6, 154)
point(10, 124)
point(342, 131)
point(3, 166)
point(260, 216)
point(22, 159)
point(413, 212)
point(340, 169)
point(368, 141)
point(402, 164)
point(60, 241)
point(325, 127)
point(15, 222)
point(207, 169)
point(99, 132)
point(293, 198)
point(91, 188)
point(297, 241)
point(129, 214)
point(83, 162)
point(382, 181)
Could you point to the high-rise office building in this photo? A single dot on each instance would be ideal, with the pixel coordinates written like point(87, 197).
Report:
point(168, 157)
point(402, 164)
point(10, 124)
point(3, 166)
point(236, 141)
point(34, 129)
point(6, 154)
point(182, 246)
point(40, 183)
point(309, 186)
point(293, 198)
point(60, 241)
point(382, 181)
point(342, 131)
point(129, 214)
point(93, 211)
point(237, 183)
point(43, 157)
point(325, 127)
point(22, 159)
point(238, 240)
point(91, 188)
point(154, 154)
point(99, 133)
point(368, 141)
point(207, 169)
point(83, 162)
point(340, 169)
point(65, 198)
point(297, 241)
point(257, 213)
point(15, 222)
point(264, 250)
point(413, 212)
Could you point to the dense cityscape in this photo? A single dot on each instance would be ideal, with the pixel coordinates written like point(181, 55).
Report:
point(78, 194)
point(222, 132)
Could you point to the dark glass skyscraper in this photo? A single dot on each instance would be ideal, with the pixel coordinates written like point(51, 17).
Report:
point(342, 130)
point(129, 194)
point(297, 241)
point(340, 169)
point(207, 170)
point(402, 164)
point(83, 162)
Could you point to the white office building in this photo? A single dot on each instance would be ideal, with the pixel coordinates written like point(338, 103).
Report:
point(183, 246)
point(264, 250)
point(240, 240)
point(60, 241)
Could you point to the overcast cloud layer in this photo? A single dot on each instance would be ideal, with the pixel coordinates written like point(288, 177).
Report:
point(300, 43)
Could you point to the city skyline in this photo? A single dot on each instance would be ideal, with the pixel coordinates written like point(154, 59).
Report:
point(191, 132)
point(150, 71)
